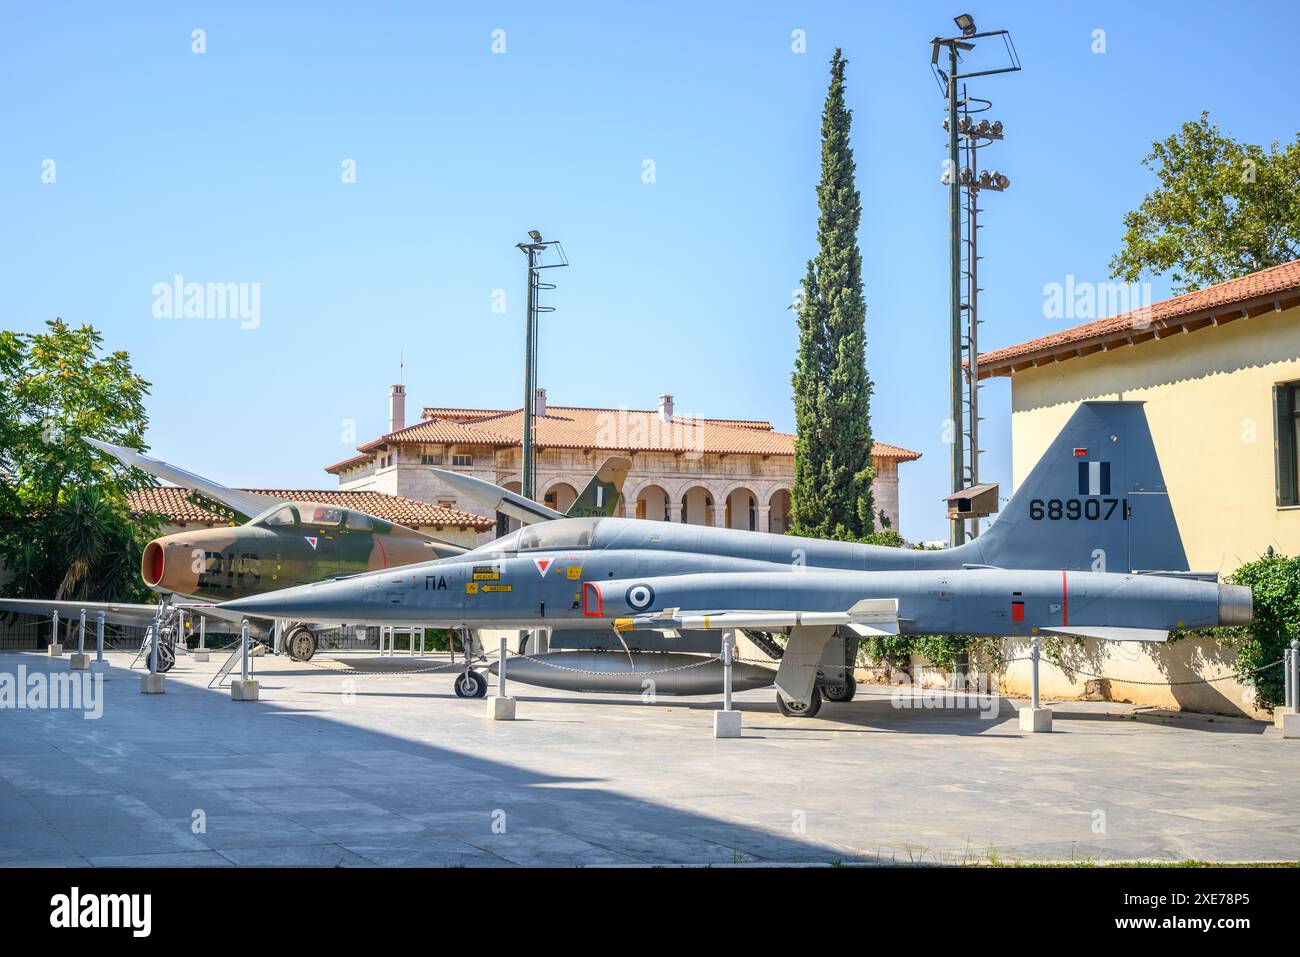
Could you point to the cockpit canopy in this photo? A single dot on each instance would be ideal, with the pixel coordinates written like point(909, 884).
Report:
point(561, 533)
point(312, 515)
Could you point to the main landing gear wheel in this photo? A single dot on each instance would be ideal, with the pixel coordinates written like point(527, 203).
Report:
point(792, 710)
point(301, 644)
point(166, 656)
point(840, 691)
point(471, 684)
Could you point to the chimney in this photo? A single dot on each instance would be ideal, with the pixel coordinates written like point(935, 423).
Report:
point(539, 402)
point(666, 408)
point(396, 408)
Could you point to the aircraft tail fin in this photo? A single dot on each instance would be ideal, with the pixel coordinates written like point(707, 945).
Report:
point(1096, 501)
point(601, 496)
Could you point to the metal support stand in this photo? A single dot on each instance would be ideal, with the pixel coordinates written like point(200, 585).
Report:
point(243, 688)
point(501, 707)
point(201, 652)
point(726, 723)
point(1287, 717)
point(56, 646)
point(80, 661)
point(99, 665)
point(151, 682)
point(1035, 718)
point(1288, 679)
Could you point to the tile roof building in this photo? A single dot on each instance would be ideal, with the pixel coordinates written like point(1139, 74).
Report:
point(1219, 372)
point(180, 508)
point(735, 473)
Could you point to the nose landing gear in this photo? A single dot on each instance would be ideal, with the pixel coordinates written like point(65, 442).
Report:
point(470, 684)
point(301, 644)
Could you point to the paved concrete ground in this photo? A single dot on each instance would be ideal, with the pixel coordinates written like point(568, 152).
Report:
point(333, 768)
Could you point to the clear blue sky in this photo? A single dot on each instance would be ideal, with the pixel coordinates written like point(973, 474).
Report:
point(225, 167)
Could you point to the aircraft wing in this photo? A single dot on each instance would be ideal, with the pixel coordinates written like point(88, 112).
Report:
point(870, 616)
point(115, 613)
point(245, 504)
point(498, 499)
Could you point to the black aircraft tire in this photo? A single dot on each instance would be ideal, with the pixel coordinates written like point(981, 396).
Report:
point(301, 644)
point(470, 684)
point(840, 692)
point(814, 705)
point(166, 656)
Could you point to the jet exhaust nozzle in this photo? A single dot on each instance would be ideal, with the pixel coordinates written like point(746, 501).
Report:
point(152, 563)
point(1236, 605)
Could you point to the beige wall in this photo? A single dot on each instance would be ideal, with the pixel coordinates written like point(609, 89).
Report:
point(1144, 673)
point(1209, 400)
point(1193, 674)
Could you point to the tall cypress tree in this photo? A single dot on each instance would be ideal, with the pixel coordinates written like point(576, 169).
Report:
point(832, 392)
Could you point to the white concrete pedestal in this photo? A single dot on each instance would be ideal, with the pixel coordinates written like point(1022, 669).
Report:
point(98, 667)
point(153, 684)
point(1291, 725)
point(56, 650)
point(241, 690)
point(1280, 712)
point(200, 655)
point(1035, 719)
point(79, 662)
point(726, 724)
point(500, 709)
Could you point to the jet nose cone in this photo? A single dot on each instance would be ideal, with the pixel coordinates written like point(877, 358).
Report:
point(1236, 605)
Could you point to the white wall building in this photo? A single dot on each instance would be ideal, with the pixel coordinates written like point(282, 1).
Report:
point(732, 473)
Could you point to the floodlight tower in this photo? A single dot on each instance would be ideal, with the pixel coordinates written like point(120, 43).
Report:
point(959, 340)
point(536, 249)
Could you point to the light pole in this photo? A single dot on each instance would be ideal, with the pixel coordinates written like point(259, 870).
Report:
point(535, 249)
point(948, 80)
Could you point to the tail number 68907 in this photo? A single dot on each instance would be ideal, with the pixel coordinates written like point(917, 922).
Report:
point(1076, 509)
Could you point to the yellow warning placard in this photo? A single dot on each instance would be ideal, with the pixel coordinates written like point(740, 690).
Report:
point(496, 588)
point(471, 588)
point(573, 572)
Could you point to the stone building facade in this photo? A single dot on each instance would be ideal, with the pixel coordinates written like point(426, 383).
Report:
point(732, 473)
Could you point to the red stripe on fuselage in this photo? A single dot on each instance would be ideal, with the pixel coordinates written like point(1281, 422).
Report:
point(1065, 600)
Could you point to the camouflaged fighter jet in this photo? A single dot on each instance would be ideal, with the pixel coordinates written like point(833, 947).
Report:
point(275, 544)
point(1087, 547)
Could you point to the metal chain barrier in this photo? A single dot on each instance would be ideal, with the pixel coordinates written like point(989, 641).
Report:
point(343, 669)
point(1089, 674)
point(339, 668)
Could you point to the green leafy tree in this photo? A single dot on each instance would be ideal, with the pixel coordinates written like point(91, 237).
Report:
point(831, 497)
point(1221, 209)
point(1275, 584)
point(66, 530)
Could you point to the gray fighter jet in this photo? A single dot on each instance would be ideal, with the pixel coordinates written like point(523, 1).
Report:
point(1088, 546)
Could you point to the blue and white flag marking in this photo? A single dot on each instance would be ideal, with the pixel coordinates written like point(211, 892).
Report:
point(1094, 478)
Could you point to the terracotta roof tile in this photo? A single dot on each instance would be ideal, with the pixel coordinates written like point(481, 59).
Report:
point(174, 503)
point(622, 430)
point(1249, 295)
